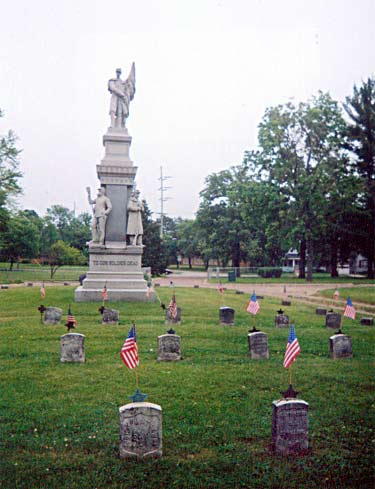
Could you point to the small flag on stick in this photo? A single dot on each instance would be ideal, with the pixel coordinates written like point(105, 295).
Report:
point(105, 293)
point(71, 318)
point(336, 294)
point(220, 288)
point(150, 289)
point(292, 348)
point(42, 292)
point(129, 350)
point(173, 307)
point(349, 309)
point(253, 306)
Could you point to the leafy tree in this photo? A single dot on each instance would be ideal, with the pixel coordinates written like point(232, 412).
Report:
point(20, 240)
point(155, 253)
point(360, 107)
point(187, 239)
point(75, 231)
point(61, 254)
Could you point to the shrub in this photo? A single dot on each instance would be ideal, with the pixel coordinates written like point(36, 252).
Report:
point(268, 272)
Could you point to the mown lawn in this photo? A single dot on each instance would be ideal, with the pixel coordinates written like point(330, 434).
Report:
point(357, 294)
point(290, 278)
point(59, 422)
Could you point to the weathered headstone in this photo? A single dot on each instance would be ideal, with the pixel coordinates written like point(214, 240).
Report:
point(226, 315)
point(141, 430)
point(258, 345)
point(281, 320)
point(320, 311)
point(367, 321)
point(5, 287)
point(340, 346)
point(170, 320)
point(52, 315)
point(333, 320)
point(239, 292)
point(73, 347)
point(196, 286)
point(290, 426)
point(169, 347)
point(110, 316)
point(286, 303)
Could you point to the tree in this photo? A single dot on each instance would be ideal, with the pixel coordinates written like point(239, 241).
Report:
point(300, 146)
point(20, 240)
point(75, 231)
point(154, 253)
point(61, 254)
point(187, 239)
point(360, 108)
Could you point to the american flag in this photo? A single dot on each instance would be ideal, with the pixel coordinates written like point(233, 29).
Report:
point(349, 309)
point(220, 288)
point(71, 318)
point(42, 292)
point(173, 307)
point(292, 348)
point(253, 306)
point(129, 350)
point(105, 293)
point(336, 295)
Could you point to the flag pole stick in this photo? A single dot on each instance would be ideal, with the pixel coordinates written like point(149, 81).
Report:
point(290, 374)
point(136, 377)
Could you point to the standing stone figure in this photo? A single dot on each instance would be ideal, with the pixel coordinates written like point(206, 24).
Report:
point(102, 207)
point(135, 228)
point(122, 93)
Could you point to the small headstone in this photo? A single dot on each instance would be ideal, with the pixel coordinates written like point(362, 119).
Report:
point(258, 345)
point(333, 320)
point(5, 287)
point(66, 283)
point(260, 296)
point(141, 430)
point(157, 285)
point(320, 311)
point(281, 321)
point(286, 303)
point(73, 347)
point(239, 292)
point(52, 315)
point(30, 284)
point(169, 348)
point(290, 426)
point(367, 321)
point(340, 346)
point(196, 286)
point(170, 320)
point(226, 315)
point(110, 316)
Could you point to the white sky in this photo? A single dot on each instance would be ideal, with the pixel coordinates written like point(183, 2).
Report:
point(206, 71)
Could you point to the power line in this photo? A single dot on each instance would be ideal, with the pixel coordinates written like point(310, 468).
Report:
point(162, 199)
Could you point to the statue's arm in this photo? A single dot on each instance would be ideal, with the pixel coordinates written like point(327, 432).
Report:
point(108, 207)
point(114, 89)
point(91, 201)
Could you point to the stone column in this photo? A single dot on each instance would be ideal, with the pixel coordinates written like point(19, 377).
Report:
point(226, 315)
point(141, 430)
point(340, 346)
point(290, 426)
point(73, 347)
point(258, 345)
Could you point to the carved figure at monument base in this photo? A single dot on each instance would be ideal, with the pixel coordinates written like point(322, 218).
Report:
point(102, 207)
point(134, 230)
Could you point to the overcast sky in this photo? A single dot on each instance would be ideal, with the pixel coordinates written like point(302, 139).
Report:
point(205, 73)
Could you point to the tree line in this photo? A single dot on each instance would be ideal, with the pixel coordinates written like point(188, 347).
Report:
point(309, 184)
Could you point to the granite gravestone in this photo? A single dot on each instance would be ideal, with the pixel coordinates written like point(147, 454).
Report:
point(52, 315)
point(285, 303)
point(170, 320)
point(281, 320)
point(169, 348)
point(340, 346)
point(333, 320)
point(73, 348)
point(290, 426)
point(226, 315)
point(367, 321)
point(115, 256)
point(258, 345)
point(110, 316)
point(140, 430)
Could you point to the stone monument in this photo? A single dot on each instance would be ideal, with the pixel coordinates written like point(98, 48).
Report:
point(140, 430)
point(116, 247)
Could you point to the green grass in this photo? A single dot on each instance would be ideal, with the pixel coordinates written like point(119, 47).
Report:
point(292, 279)
point(357, 294)
point(38, 273)
point(59, 422)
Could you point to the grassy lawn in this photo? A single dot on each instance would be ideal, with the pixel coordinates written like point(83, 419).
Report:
point(358, 294)
point(37, 273)
point(292, 279)
point(59, 422)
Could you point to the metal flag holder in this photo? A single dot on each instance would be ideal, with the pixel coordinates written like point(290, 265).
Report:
point(138, 396)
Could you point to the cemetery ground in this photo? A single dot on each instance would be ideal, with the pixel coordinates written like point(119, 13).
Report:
point(60, 422)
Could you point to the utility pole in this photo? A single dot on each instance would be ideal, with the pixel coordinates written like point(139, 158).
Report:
point(162, 199)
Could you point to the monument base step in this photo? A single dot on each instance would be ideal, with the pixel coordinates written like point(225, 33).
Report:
point(114, 295)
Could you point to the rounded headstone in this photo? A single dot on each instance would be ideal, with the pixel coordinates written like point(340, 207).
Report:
point(141, 430)
point(333, 320)
point(320, 311)
point(367, 321)
point(290, 426)
point(73, 348)
point(258, 345)
point(110, 316)
point(226, 315)
point(340, 346)
point(169, 348)
point(286, 303)
point(52, 315)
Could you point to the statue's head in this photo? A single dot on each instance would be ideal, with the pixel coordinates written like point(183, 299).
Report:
point(101, 191)
point(118, 72)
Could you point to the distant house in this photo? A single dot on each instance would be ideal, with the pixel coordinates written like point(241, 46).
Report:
point(291, 260)
point(358, 265)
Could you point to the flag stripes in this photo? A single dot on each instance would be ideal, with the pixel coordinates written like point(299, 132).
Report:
point(129, 350)
point(253, 306)
point(349, 309)
point(292, 348)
